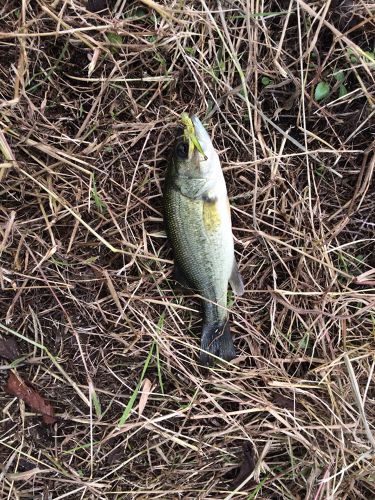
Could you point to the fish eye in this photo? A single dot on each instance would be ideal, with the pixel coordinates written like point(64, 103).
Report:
point(182, 150)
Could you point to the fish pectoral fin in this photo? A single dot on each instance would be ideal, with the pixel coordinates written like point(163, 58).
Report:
point(236, 281)
point(179, 276)
point(209, 197)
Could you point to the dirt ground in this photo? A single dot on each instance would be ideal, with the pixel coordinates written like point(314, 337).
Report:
point(101, 393)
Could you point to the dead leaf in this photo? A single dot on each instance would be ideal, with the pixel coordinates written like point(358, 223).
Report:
point(247, 466)
point(146, 389)
point(25, 476)
point(94, 60)
point(15, 386)
point(9, 349)
point(8, 230)
point(289, 404)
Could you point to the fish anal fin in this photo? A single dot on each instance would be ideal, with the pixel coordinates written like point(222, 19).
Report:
point(236, 281)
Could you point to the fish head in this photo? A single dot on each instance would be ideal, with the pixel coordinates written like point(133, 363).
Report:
point(190, 162)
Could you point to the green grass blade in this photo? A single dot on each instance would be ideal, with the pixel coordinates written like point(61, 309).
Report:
point(99, 203)
point(133, 397)
point(160, 330)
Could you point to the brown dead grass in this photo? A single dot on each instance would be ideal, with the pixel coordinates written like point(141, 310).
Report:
point(89, 104)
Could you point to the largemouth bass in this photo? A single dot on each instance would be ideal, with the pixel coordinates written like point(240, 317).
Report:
point(198, 223)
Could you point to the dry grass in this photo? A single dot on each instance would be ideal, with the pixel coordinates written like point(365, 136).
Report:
point(89, 104)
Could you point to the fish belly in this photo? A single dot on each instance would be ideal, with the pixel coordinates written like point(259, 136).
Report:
point(201, 236)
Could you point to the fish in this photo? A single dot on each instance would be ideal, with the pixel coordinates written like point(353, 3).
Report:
point(199, 228)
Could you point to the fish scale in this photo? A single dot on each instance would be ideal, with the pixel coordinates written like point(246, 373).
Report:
point(201, 256)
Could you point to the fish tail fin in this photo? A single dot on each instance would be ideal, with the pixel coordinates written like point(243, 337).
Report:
point(216, 339)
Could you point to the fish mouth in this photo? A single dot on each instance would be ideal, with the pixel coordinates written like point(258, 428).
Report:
point(202, 136)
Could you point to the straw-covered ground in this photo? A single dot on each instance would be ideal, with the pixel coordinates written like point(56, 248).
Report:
point(90, 317)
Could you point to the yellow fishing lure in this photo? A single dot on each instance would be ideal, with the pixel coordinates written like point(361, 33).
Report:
point(189, 134)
